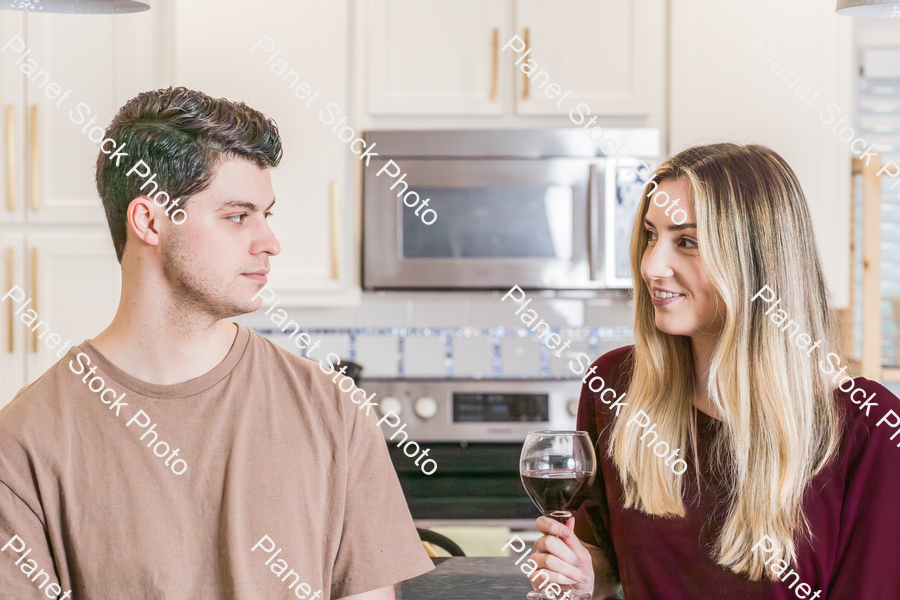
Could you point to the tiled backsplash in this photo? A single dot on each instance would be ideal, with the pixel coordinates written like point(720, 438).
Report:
point(457, 335)
point(470, 352)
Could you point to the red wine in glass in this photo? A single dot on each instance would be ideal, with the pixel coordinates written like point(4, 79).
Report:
point(552, 490)
point(554, 466)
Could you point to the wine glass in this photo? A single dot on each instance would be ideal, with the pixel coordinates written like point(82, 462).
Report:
point(554, 466)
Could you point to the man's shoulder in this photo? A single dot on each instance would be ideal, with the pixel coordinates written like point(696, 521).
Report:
point(32, 421)
point(320, 382)
point(281, 366)
point(40, 397)
point(278, 355)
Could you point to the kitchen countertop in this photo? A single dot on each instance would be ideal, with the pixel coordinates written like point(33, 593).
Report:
point(468, 578)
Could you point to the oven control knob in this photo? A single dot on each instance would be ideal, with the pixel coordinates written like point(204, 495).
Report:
point(573, 407)
point(425, 407)
point(390, 403)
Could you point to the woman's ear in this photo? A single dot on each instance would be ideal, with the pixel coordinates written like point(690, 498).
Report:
point(143, 220)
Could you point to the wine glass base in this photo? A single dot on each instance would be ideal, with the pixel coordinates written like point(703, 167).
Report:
point(573, 594)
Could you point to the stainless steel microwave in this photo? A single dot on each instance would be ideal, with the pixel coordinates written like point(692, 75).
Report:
point(541, 209)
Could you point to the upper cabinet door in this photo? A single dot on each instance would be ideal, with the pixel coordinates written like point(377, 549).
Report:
point(12, 333)
point(12, 144)
point(74, 283)
point(295, 71)
point(436, 57)
point(74, 84)
point(610, 55)
point(65, 90)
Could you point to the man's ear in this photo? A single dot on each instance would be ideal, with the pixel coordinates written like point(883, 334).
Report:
point(143, 220)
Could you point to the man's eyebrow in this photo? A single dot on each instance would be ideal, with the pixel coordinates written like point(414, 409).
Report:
point(674, 226)
point(250, 206)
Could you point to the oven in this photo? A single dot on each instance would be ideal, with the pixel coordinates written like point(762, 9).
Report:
point(474, 430)
point(541, 209)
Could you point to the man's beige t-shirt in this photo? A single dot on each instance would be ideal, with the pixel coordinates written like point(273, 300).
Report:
point(272, 450)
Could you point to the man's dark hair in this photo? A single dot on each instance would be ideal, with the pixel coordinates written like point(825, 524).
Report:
point(181, 134)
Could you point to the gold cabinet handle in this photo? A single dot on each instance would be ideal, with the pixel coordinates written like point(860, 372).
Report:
point(10, 157)
point(34, 295)
point(525, 91)
point(335, 232)
point(10, 281)
point(494, 68)
point(35, 176)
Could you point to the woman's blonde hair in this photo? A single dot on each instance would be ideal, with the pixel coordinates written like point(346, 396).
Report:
point(781, 424)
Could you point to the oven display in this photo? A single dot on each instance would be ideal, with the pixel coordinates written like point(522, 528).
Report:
point(500, 408)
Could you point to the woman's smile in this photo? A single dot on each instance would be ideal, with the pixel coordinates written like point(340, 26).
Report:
point(664, 297)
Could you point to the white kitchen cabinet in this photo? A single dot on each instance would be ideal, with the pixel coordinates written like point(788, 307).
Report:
point(60, 178)
point(437, 57)
point(314, 215)
point(12, 149)
point(53, 234)
point(77, 68)
point(12, 332)
point(610, 54)
point(723, 90)
point(73, 281)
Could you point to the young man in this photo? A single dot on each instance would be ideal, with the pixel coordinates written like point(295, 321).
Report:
point(178, 455)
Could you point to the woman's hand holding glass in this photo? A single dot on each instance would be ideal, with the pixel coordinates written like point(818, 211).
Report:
point(562, 556)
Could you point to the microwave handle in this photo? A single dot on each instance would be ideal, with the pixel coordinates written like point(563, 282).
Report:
point(595, 229)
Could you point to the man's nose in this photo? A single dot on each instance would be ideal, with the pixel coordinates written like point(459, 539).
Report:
point(267, 242)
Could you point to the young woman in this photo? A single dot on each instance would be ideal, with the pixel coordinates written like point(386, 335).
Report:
point(790, 485)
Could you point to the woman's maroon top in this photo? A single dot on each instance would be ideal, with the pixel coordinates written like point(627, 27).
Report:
point(853, 508)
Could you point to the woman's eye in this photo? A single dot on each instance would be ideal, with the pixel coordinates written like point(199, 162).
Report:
point(651, 235)
point(268, 214)
point(689, 244)
point(241, 217)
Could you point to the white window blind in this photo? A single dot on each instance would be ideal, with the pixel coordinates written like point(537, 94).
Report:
point(879, 121)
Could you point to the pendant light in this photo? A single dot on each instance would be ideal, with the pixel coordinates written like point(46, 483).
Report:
point(885, 9)
point(77, 6)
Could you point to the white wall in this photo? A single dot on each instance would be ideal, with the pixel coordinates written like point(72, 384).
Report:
point(721, 90)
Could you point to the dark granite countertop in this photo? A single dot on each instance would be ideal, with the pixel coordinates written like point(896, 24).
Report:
point(468, 578)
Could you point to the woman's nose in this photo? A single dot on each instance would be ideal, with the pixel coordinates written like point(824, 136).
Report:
point(658, 262)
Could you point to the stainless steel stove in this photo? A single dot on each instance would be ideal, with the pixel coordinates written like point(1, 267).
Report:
point(475, 430)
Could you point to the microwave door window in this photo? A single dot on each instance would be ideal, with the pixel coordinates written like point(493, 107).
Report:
point(629, 187)
point(527, 222)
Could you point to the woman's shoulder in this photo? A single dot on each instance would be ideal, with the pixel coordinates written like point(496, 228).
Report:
point(616, 365)
point(869, 461)
point(872, 417)
point(606, 381)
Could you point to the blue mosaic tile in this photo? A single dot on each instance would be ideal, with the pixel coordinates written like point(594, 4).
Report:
point(594, 336)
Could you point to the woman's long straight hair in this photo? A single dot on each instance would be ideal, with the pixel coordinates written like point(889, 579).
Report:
point(781, 424)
